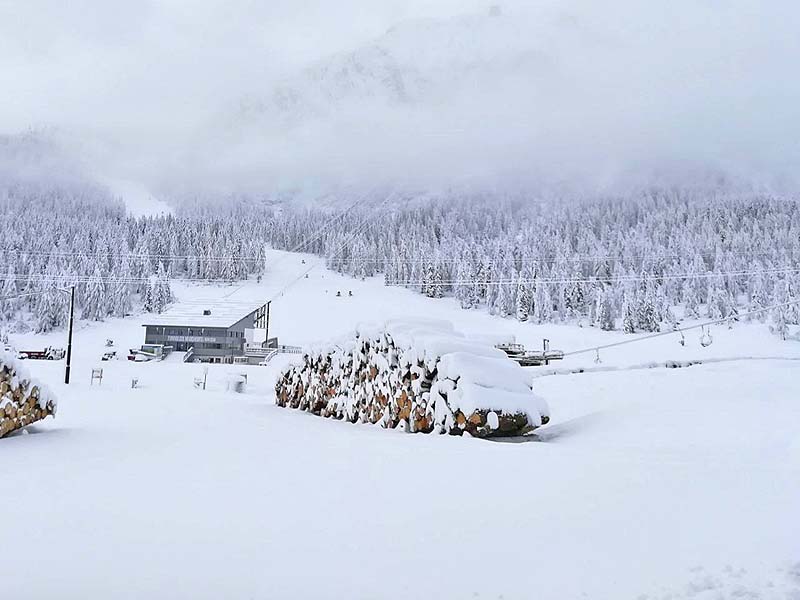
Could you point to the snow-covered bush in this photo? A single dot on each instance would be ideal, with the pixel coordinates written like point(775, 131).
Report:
point(421, 376)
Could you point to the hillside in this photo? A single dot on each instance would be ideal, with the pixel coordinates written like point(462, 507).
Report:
point(662, 469)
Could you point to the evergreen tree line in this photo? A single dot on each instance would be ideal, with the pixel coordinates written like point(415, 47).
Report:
point(54, 236)
point(637, 262)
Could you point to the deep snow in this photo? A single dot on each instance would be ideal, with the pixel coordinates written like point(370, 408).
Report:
point(647, 484)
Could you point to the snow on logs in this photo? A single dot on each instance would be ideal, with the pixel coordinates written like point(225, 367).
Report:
point(22, 400)
point(419, 376)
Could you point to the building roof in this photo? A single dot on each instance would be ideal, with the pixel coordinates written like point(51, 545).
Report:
point(223, 314)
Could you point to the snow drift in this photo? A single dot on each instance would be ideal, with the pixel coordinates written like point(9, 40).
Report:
point(23, 401)
point(419, 376)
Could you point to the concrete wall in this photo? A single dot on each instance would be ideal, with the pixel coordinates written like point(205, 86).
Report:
point(231, 340)
point(203, 340)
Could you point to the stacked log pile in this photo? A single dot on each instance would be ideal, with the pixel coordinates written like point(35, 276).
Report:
point(22, 400)
point(415, 376)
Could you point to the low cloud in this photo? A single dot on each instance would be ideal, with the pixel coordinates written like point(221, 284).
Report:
point(569, 91)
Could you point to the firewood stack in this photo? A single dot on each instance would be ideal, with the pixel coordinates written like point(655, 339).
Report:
point(22, 400)
point(417, 376)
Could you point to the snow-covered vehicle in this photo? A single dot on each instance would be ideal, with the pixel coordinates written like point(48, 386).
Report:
point(149, 352)
point(46, 354)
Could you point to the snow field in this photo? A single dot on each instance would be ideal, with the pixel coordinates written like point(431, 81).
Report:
point(649, 483)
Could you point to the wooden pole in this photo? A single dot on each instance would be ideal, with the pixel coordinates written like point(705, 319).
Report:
point(69, 335)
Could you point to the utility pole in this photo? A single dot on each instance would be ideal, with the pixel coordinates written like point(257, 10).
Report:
point(69, 335)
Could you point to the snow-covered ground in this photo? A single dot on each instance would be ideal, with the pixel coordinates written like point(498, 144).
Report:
point(646, 484)
point(137, 198)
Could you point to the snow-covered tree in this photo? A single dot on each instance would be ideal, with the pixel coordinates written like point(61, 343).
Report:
point(628, 316)
point(647, 318)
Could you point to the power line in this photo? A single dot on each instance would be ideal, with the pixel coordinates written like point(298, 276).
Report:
point(348, 240)
point(15, 296)
point(682, 329)
point(134, 257)
point(598, 279)
point(573, 258)
point(314, 238)
point(85, 278)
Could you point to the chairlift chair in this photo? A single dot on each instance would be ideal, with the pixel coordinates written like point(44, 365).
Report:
point(705, 337)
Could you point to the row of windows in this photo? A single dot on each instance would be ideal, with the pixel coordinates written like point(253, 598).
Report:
point(260, 318)
point(211, 332)
point(215, 332)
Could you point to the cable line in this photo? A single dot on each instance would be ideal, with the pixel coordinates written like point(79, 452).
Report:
point(682, 329)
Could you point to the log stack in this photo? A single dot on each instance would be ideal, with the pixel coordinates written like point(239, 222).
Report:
point(417, 376)
point(22, 400)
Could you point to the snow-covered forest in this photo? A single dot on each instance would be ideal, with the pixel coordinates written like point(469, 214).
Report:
point(638, 261)
point(627, 261)
point(54, 236)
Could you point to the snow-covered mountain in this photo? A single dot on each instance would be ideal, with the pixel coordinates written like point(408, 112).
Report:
point(515, 99)
point(569, 97)
point(36, 155)
point(418, 62)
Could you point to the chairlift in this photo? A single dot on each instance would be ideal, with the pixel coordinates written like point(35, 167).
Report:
point(705, 337)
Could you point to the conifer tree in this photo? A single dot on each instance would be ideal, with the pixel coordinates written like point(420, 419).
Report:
point(523, 300)
point(628, 316)
point(605, 313)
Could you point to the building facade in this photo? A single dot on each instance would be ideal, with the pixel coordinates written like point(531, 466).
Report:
point(212, 334)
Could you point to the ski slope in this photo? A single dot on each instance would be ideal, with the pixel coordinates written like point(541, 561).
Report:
point(139, 202)
point(654, 483)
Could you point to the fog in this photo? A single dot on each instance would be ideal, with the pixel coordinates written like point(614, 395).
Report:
point(572, 91)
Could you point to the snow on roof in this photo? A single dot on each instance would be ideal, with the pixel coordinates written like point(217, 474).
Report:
point(223, 314)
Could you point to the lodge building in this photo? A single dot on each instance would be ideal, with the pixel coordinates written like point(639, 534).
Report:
point(221, 333)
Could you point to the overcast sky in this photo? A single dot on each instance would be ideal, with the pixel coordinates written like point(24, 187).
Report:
point(699, 80)
point(87, 62)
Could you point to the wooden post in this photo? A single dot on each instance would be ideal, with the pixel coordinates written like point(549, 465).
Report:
point(545, 348)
